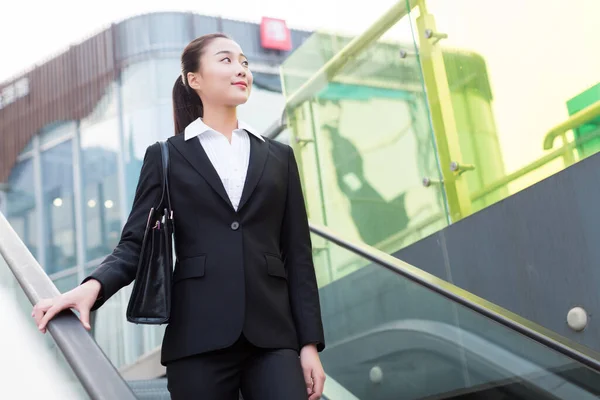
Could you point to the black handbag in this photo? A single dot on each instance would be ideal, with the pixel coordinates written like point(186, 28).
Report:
point(150, 301)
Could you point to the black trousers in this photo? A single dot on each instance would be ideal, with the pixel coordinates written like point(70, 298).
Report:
point(260, 374)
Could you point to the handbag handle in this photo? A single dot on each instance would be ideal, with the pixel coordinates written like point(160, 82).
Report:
point(166, 195)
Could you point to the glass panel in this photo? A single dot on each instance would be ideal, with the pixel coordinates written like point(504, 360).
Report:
point(38, 361)
point(58, 200)
point(139, 86)
point(201, 24)
point(505, 94)
point(66, 283)
point(108, 328)
point(298, 68)
point(167, 70)
point(57, 131)
point(148, 113)
point(169, 30)
point(20, 209)
point(389, 338)
point(141, 130)
point(284, 137)
point(101, 199)
point(134, 37)
point(262, 109)
point(364, 142)
point(123, 343)
point(163, 31)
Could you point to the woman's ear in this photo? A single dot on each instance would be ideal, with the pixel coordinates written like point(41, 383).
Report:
point(193, 80)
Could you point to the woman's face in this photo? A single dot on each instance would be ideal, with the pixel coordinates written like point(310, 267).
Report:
point(224, 78)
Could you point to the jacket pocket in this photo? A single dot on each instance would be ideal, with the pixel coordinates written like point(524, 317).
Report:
point(192, 267)
point(275, 266)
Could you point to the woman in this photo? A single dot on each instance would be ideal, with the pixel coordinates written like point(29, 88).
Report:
point(245, 310)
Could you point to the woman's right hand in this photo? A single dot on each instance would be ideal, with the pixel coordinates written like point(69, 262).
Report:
point(82, 298)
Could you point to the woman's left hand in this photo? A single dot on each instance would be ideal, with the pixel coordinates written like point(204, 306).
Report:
point(314, 376)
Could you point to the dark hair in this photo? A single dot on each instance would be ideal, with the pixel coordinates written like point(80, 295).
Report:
point(187, 106)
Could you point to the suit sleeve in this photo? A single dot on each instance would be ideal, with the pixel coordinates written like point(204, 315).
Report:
point(120, 267)
point(297, 253)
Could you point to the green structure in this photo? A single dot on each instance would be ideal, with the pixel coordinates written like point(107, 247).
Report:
point(365, 143)
point(590, 129)
point(396, 139)
point(472, 98)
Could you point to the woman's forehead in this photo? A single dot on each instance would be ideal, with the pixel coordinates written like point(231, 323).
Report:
point(222, 45)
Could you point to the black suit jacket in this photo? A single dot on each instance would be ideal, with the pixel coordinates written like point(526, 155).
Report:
point(247, 271)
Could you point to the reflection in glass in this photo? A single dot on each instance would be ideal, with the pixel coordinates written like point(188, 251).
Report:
point(389, 338)
point(21, 210)
point(58, 202)
point(364, 143)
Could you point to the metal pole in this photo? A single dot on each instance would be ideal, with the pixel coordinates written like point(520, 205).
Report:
point(442, 114)
point(580, 117)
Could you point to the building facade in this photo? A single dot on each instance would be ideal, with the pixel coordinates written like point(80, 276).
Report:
point(74, 132)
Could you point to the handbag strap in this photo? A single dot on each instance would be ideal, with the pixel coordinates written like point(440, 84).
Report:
point(166, 195)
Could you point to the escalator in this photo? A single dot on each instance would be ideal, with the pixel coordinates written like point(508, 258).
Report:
point(392, 331)
point(396, 332)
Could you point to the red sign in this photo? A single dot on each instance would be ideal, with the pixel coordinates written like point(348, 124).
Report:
point(275, 35)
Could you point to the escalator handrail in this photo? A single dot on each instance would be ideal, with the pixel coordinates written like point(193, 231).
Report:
point(538, 333)
point(97, 374)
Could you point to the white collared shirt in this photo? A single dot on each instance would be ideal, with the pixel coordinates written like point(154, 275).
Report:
point(230, 160)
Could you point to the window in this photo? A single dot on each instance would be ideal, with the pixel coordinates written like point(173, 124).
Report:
point(20, 207)
point(100, 185)
point(59, 210)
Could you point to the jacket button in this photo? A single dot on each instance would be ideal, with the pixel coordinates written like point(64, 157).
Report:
point(235, 225)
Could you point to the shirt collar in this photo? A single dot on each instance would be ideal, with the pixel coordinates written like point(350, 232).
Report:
point(198, 127)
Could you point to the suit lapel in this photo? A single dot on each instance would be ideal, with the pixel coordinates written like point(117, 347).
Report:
point(259, 151)
point(194, 153)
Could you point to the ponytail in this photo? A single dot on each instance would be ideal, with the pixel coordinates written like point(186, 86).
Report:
point(187, 106)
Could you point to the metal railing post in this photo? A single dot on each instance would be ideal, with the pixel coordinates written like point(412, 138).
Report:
point(442, 114)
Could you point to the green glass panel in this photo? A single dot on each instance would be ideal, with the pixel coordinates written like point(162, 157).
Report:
point(508, 90)
point(364, 143)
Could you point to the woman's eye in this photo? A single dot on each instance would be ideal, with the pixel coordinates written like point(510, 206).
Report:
point(226, 59)
point(245, 63)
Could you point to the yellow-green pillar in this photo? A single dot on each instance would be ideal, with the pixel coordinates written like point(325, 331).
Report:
point(442, 115)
